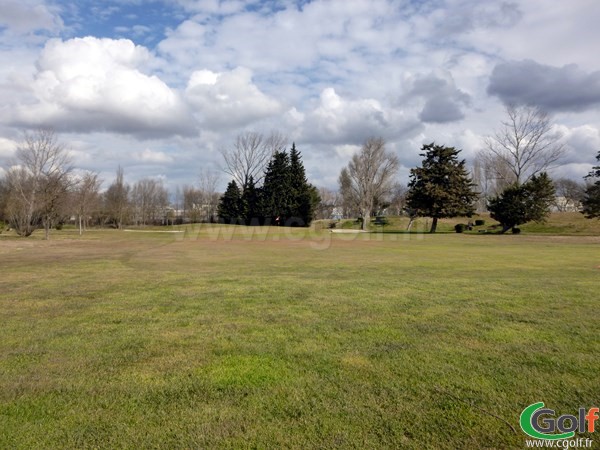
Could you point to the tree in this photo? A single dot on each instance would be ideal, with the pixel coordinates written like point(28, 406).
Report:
point(117, 200)
point(86, 197)
point(368, 177)
point(229, 205)
point(524, 145)
point(149, 199)
point(569, 194)
point(192, 203)
point(522, 203)
point(276, 194)
point(303, 195)
point(591, 200)
point(209, 198)
point(250, 155)
point(441, 187)
point(250, 203)
point(39, 184)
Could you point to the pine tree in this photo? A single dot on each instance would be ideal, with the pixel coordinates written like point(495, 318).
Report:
point(591, 201)
point(301, 200)
point(524, 203)
point(229, 205)
point(441, 187)
point(276, 196)
point(250, 203)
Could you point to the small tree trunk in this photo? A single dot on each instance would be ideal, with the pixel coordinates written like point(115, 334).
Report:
point(80, 226)
point(433, 225)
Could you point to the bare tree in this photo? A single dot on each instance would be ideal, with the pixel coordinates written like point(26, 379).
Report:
point(525, 144)
point(209, 197)
point(86, 198)
point(569, 194)
point(250, 155)
point(398, 199)
point(39, 183)
point(491, 175)
point(192, 203)
point(327, 205)
point(117, 200)
point(369, 177)
point(149, 200)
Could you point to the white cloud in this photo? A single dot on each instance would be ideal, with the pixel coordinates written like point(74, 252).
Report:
point(337, 120)
point(90, 84)
point(152, 156)
point(228, 99)
point(7, 148)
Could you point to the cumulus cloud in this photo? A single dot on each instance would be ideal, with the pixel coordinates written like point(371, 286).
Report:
point(566, 88)
point(90, 84)
point(228, 99)
point(340, 121)
point(443, 100)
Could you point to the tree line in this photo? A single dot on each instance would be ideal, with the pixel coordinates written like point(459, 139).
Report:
point(268, 184)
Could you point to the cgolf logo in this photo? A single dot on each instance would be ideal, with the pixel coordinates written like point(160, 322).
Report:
point(540, 423)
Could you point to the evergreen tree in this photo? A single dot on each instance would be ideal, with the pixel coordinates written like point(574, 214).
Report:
point(441, 187)
point(301, 201)
point(591, 201)
point(276, 195)
point(229, 205)
point(250, 203)
point(519, 204)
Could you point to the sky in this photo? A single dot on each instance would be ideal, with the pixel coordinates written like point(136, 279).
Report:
point(158, 87)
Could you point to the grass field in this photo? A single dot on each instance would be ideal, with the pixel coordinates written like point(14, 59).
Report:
point(226, 337)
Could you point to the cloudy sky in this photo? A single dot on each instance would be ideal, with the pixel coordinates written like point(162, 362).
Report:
point(159, 86)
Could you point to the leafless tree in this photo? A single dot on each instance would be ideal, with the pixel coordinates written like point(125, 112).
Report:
point(569, 194)
point(209, 197)
point(117, 200)
point(525, 144)
point(149, 200)
point(39, 182)
point(491, 175)
point(398, 198)
point(327, 205)
point(250, 155)
point(86, 197)
point(369, 177)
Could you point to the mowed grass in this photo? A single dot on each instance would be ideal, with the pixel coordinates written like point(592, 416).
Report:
point(227, 337)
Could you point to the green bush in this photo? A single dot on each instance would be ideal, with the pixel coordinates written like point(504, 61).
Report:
point(479, 222)
point(516, 231)
point(460, 227)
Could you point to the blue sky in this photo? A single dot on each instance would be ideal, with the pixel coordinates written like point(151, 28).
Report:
point(158, 87)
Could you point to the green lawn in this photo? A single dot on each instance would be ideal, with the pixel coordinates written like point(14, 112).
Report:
point(267, 338)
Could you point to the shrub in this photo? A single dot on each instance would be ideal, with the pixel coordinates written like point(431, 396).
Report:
point(460, 227)
point(516, 231)
point(479, 222)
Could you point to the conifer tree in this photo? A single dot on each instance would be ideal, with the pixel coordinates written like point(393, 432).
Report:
point(229, 205)
point(301, 206)
point(523, 203)
point(276, 192)
point(441, 187)
point(250, 203)
point(591, 201)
